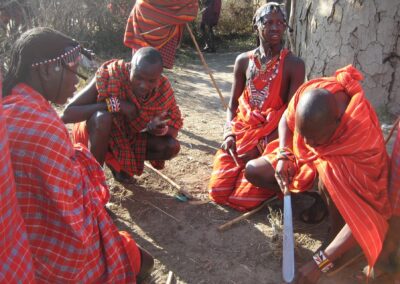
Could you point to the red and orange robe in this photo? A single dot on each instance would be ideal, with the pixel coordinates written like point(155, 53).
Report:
point(159, 23)
point(61, 191)
point(127, 145)
point(256, 118)
point(354, 164)
point(16, 265)
point(394, 181)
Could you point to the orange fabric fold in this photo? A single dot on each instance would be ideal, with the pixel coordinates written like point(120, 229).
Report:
point(155, 22)
point(251, 124)
point(354, 164)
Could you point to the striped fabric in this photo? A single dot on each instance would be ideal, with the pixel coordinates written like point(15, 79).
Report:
point(354, 165)
point(127, 145)
point(16, 264)
point(157, 22)
point(227, 183)
point(61, 191)
point(394, 183)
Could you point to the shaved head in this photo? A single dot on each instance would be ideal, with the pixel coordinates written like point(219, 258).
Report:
point(317, 115)
point(146, 56)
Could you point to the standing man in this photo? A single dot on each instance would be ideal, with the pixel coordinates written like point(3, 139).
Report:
point(128, 114)
point(209, 19)
point(264, 81)
point(160, 24)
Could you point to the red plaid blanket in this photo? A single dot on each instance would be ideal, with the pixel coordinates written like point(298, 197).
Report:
point(61, 192)
point(15, 257)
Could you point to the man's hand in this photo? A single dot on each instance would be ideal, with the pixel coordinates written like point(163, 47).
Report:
point(158, 125)
point(284, 173)
point(309, 273)
point(129, 110)
point(229, 145)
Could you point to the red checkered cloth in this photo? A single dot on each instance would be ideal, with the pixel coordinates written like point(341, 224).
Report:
point(16, 264)
point(159, 24)
point(127, 144)
point(394, 182)
point(61, 191)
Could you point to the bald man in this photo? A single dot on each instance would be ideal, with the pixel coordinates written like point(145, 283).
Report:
point(331, 132)
point(127, 114)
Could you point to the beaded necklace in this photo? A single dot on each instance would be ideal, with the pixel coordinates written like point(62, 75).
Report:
point(265, 72)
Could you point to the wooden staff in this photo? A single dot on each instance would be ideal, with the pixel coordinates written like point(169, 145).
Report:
point(392, 130)
point(229, 224)
point(206, 66)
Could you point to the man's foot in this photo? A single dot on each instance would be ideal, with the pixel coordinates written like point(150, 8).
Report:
point(316, 213)
point(123, 177)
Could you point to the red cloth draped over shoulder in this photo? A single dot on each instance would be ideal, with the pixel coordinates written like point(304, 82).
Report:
point(251, 124)
point(155, 22)
point(112, 80)
point(354, 164)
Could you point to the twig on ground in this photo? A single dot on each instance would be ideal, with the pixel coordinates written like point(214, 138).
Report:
point(245, 215)
point(158, 208)
point(169, 279)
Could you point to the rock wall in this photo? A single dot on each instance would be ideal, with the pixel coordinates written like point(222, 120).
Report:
point(330, 34)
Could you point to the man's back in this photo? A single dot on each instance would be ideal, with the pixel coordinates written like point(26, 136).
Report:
point(61, 193)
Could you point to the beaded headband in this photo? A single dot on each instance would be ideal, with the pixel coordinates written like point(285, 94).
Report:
point(70, 57)
point(269, 8)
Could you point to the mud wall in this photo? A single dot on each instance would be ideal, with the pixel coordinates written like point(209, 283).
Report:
point(330, 34)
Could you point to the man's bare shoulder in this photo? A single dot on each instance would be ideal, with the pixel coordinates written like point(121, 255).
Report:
point(294, 61)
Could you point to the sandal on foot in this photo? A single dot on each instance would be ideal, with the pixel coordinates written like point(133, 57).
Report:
point(316, 213)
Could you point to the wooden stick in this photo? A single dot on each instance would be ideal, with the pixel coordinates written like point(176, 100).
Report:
point(234, 158)
point(170, 181)
point(206, 66)
point(392, 130)
point(346, 264)
point(169, 279)
point(227, 225)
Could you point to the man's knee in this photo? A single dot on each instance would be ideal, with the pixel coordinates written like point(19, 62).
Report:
point(172, 148)
point(256, 172)
point(100, 123)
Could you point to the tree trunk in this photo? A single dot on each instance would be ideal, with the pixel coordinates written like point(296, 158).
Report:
point(331, 34)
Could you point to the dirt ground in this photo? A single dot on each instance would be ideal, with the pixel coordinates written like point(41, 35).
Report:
point(182, 237)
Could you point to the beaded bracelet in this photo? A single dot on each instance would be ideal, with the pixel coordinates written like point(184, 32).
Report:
point(323, 263)
point(228, 130)
point(285, 153)
point(113, 104)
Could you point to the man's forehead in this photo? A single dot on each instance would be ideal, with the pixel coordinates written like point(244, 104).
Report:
point(268, 9)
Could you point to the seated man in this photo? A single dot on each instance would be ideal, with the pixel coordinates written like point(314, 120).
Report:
point(129, 115)
point(61, 190)
point(331, 130)
point(164, 30)
point(16, 264)
point(264, 81)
